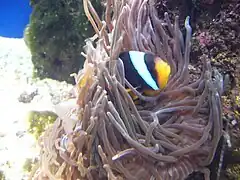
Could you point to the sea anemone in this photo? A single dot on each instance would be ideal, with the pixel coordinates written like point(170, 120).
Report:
point(108, 136)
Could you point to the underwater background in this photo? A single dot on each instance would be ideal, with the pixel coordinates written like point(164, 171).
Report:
point(50, 37)
point(14, 16)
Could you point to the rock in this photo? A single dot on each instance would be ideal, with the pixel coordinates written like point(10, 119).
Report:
point(22, 94)
point(2, 135)
point(28, 95)
point(20, 133)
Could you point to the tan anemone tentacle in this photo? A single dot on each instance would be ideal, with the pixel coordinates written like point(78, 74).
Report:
point(167, 136)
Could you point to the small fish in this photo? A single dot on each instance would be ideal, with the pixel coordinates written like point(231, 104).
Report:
point(147, 72)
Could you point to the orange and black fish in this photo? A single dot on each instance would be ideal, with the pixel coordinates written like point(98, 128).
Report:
point(144, 71)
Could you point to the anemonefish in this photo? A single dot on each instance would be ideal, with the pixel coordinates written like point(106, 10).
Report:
point(145, 71)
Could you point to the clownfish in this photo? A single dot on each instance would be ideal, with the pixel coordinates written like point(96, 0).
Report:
point(145, 71)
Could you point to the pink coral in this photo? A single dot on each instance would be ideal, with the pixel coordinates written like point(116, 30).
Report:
point(204, 38)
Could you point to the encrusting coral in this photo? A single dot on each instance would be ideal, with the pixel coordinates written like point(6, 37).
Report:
point(106, 135)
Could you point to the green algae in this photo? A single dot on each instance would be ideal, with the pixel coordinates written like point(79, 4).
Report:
point(39, 121)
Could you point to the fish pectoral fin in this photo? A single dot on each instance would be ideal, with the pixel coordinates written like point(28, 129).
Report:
point(128, 90)
point(133, 96)
point(151, 92)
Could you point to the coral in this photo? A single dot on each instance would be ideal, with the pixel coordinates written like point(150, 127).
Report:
point(223, 51)
point(216, 37)
point(204, 39)
point(55, 37)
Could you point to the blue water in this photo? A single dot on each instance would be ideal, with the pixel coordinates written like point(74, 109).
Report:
point(14, 16)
